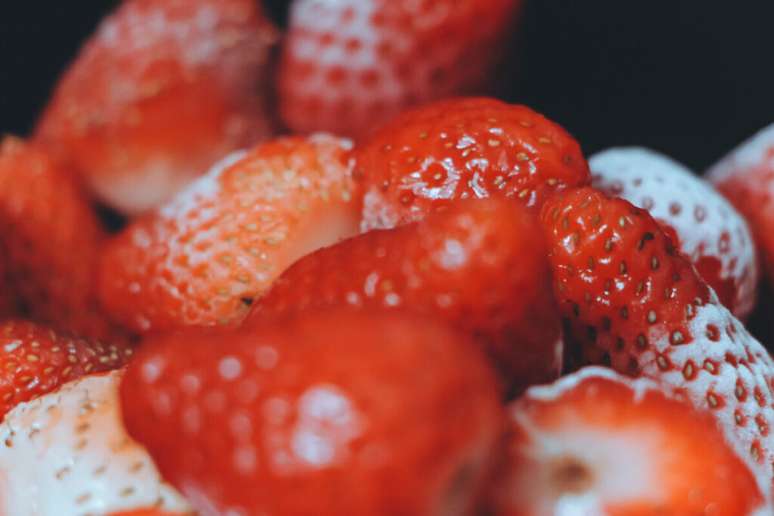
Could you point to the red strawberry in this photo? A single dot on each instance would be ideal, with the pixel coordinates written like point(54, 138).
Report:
point(36, 360)
point(52, 239)
point(619, 276)
point(464, 148)
point(331, 413)
point(597, 443)
point(348, 65)
point(202, 258)
point(159, 93)
point(479, 265)
point(707, 229)
point(67, 453)
point(746, 178)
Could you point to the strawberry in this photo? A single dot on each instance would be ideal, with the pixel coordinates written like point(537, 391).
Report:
point(480, 265)
point(160, 92)
point(347, 65)
point(52, 238)
point(203, 257)
point(702, 224)
point(746, 178)
point(598, 443)
point(67, 453)
point(330, 413)
point(36, 360)
point(619, 278)
point(463, 148)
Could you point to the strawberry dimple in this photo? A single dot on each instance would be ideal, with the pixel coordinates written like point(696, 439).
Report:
point(349, 65)
point(459, 149)
point(628, 294)
point(707, 227)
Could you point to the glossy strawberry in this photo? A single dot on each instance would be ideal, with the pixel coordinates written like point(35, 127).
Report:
point(348, 65)
point(701, 222)
point(204, 256)
point(51, 238)
point(746, 178)
point(160, 92)
point(637, 303)
point(480, 265)
point(459, 149)
point(598, 443)
point(67, 453)
point(36, 360)
point(330, 413)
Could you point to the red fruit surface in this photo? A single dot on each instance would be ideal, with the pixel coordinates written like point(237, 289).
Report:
point(459, 149)
point(480, 265)
point(331, 413)
point(349, 65)
point(160, 92)
point(51, 238)
point(746, 177)
point(204, 256)
point(701, 222)
point(598, 443)
point(636, 303)
point(36, 360)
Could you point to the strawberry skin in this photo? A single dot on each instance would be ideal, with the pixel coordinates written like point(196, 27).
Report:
point(598, 443)
point(204, 256)
point(702, 223)
point(160, 92)
point(67, 454)
point(480, 265)
point(463, 148)
point(330, 413)
point(52, 238)
point(348, 65)
point(746, 178)
point(36, 360)
point(634, 299)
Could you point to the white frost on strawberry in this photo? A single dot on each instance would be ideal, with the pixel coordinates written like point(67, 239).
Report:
point(707, 225)
point(67, 454)
point(756, 152)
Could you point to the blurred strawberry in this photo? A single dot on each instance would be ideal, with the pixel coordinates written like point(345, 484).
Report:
point(597, 443)
point(459, 149)
point(203, 257)
point(703, 225)
point(639, 305)
point(52, 238)
point(343, 412)
point(160, 92)
point(67, 453)
point(746, 178)
point(480, 265)
point(348, 65)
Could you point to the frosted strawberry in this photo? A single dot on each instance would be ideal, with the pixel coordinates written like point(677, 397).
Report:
point(160, 92)
point(203, 257)
point(459, 149)
point(635, 302)
point(343, 412)
point(479, 265)
point(746, 178)
point(598, 443)
point(348, 65)
point(67, 453)
point(51, 240)
point(702, 223)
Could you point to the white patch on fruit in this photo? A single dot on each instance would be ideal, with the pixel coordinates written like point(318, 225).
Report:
point(756, 152)
point(705, 222)
point(68, 454)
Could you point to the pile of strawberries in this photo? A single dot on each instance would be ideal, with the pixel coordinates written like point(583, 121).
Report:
point(451, 313)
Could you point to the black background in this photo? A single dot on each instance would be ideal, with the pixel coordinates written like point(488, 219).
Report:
point(688, 77)
point(691, 78)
